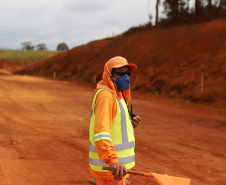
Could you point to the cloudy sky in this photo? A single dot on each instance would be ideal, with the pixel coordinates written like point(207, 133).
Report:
point(74, 22)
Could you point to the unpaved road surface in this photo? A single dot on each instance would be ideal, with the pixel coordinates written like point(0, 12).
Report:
point(44, 130)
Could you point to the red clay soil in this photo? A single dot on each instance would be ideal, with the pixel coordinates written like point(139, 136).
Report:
point(11, 65)
point(5, 72)
point(171, 61)
point(17, 64)
point(44, 130)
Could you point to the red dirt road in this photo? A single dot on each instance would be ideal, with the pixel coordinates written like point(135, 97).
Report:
point(44, 126)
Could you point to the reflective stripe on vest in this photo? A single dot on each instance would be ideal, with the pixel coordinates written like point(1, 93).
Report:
point(122, 160)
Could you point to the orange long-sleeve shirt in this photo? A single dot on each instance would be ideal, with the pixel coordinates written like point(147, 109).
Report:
point(105, 111)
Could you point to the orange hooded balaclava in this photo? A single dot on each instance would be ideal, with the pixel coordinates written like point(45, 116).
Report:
point(107, 83)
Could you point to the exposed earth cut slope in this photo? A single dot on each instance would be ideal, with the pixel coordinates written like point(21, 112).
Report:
point(186, 62)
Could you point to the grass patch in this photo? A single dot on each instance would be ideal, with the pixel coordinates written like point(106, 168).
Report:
point(26, 54)
point(25, 57)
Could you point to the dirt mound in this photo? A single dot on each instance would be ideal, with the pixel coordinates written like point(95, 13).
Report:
point(4, 72)
point(186, 62)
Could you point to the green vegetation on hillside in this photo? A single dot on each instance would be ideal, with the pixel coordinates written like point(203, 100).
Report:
point(27, 53)
point(26, 57)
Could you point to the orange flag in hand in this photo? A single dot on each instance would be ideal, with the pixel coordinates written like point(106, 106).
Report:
point(168, 180)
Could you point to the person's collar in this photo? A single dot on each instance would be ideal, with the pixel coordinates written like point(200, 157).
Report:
point(119, 94)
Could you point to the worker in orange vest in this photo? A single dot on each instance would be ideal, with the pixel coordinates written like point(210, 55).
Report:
point(111, 132)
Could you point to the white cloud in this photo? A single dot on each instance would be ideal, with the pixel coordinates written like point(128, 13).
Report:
point(73, 22)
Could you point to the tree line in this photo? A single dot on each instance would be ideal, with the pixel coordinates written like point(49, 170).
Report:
point(29, 46)
point(185, 11)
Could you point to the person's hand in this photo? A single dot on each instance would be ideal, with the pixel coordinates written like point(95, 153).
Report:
point(135, 121)
point(118, 170)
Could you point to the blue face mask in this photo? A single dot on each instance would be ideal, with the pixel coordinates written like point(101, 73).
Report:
point(122, 82)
